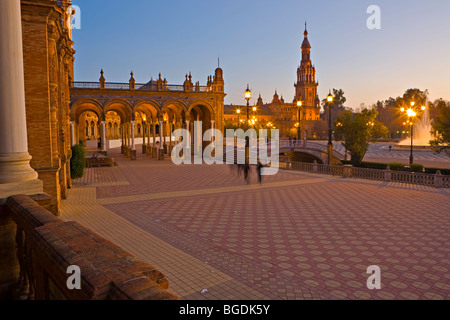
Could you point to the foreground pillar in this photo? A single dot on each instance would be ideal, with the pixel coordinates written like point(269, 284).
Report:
point(16, 174)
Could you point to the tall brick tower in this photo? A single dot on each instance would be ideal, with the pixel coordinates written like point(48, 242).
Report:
point(306, 86)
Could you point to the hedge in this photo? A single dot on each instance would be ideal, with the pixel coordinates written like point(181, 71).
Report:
point(400, 167)
point(78, 161)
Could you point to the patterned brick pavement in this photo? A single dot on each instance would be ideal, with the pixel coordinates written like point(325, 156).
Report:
point(297, 236)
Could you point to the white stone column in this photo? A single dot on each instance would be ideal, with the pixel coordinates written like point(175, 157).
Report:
point(72, 133)
point(128, 135)
point(16, 174)
point(213, 137)
point(161, 134)
point(148, 133)
point(103, 136)
point(154, 134)
point(132, 135)
point(122, 135)
point(164, 134)
point(144, 129)
point(188, 146)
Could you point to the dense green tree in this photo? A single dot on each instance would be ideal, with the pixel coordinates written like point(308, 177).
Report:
point(356, 130)
point(441, 128)
point(78, 161)
point(379, 131)
point(417, 96)
point(337, 106)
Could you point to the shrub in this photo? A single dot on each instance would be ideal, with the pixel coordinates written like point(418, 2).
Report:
point(369, 165)
point(78, 161)
point(433, 171)
point(417, 167)
point(396, 166)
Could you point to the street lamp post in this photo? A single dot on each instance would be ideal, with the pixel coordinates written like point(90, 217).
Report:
point(299, 105)
point(239, 117)
point(248, 96)
point(330, 139)
point(412, 113)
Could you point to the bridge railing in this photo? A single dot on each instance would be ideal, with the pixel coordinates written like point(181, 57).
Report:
point(313, 168)
point(308, 145)
point(347, 171)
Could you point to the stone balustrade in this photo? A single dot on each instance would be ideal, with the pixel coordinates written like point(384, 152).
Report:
point(347, 171)
point(47, 246)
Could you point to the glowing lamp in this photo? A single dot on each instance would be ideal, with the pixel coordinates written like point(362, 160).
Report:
point(411, 113)
point(330, 98)
point(248, 94)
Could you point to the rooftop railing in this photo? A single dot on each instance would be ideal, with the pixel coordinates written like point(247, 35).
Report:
point(137, 86)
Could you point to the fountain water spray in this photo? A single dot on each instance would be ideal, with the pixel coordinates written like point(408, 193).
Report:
point(422, 131)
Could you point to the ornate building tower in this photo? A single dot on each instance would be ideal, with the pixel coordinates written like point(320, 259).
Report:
point(306, 86)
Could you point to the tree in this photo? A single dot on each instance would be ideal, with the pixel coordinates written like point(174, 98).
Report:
point(356, 129)
point(338, 98)
point(417, 96)
point(441, 129)
point(338, 103)
point(379, 131)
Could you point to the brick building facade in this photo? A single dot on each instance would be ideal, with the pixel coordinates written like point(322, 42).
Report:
point(48, 68)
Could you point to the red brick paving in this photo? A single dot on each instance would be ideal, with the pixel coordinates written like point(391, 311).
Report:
point(295, 242)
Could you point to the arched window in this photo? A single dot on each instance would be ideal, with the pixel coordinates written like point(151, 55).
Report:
point(92, 128)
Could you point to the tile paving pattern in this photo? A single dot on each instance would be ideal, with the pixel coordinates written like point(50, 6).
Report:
point(297, 236)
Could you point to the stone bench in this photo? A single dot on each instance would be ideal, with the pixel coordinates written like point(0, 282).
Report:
point(100, 162)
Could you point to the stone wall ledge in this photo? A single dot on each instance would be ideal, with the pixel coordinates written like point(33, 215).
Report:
point(47, 246)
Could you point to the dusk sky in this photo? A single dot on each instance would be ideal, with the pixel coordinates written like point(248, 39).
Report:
point(258, 42)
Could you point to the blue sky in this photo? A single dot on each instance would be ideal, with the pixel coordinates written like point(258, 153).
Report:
point(258, 42)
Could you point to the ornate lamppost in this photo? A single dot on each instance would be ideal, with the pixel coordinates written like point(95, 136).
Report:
point(412, 113)
point(299, 105)
point(248, 97)
point(330, 132)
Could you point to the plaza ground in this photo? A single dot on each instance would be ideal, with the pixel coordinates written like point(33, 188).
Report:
point(296, 236)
